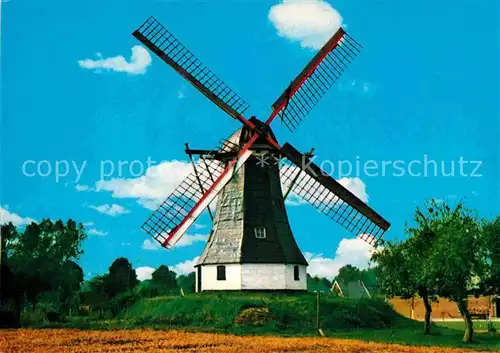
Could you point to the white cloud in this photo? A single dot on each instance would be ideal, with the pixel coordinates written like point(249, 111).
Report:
point(88, 224)
point(311, 23)
point(138, 63)
point(6, 216)
point(94, 231)
point(189, 239)
point(182, 268)
point(355, 252)
point(150, 204)
point(149, 244)
point(186, 267)
point(144, 273)
point(356, 186)
point(79, 187)
point(294, 200)
point(181, 93)
point(110, 210)
point(152, 188)
point(186, 240)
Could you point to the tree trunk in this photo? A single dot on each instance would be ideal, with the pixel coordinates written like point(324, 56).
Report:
point(464, 310)
point(428, 313)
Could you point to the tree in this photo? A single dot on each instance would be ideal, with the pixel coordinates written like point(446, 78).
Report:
point(187, 282)
point(112, 290)
point(399, 274)
point(69, 287)
point(457, 258)
point(164, 279)
point(147, 289)
point(418, 247)
point(394, 270)
point(369, 278)
point(37, 255)
point(96, 294)
point(491, 242)
point(318, 284)
point(349, 273)
point(403, 268)
point(121, 277)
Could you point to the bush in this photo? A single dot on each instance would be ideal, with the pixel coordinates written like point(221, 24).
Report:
point(32, 317)
point(491, 328)
point(254, 316)
point(53, 316)
point(42, 313)
point(147, 289)
point(124, 301)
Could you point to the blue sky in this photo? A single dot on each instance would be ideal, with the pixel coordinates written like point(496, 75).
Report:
point(426, 83)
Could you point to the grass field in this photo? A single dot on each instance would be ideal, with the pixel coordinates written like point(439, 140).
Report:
point(439, 337)
point(77, 341)
point(479, 325)
point(275, 323)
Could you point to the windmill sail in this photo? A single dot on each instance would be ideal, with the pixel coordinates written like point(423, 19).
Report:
point(161, 42)
point(313, 185)
point(316, 78)
point(174, 209)
point(181, 209)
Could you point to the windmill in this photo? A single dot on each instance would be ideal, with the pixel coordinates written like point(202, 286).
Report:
point(251, 245)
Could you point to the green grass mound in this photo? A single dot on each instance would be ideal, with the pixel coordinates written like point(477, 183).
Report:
point(261, 312)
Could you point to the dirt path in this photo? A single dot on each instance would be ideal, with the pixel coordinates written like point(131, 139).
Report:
point(58, 341)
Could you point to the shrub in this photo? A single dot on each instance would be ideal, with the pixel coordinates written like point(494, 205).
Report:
point(41, 314)
point(32, 317)
point(254, 316)
point(53, 316)
point(124, 301)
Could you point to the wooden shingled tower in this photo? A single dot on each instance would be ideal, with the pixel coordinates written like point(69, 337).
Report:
point(251, 245)
point(250, 224)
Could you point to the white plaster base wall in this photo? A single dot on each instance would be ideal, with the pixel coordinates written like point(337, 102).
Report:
point(301, 284)
point(253, 277)
point(273, 277)
point(209, 278)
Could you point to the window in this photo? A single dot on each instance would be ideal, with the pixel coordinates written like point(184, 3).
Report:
point(260, 232)
point(296, 276)
point(221, 273)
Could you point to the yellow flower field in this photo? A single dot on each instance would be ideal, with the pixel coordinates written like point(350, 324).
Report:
point(66, 340)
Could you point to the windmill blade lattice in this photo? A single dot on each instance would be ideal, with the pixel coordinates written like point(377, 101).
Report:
point(329, 197)
point(177, 206)
point(316, 78)
point(159, 40)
